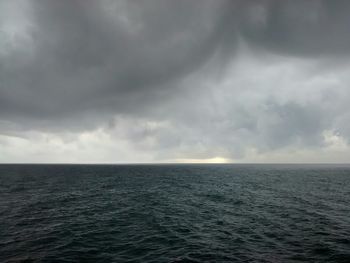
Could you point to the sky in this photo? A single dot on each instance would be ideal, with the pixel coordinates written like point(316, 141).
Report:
point(159, 81)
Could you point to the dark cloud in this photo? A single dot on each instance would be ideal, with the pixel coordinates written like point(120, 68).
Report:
point(298, 27)
point(159, 67)
point(104, 54)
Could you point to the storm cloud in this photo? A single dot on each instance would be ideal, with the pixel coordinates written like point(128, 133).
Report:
point(164, 80)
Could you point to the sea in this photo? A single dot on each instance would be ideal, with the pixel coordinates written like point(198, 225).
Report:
point(175, 213)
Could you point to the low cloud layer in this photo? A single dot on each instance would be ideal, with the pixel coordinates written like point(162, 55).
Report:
point(164, 81)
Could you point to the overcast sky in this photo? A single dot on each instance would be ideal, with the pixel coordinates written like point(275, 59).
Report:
point(116, 81)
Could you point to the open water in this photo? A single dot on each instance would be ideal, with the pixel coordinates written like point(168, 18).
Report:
point(174, 213)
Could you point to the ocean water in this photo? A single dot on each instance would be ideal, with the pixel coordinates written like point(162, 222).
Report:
point(174, 213)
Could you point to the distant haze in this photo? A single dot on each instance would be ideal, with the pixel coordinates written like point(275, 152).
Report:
point(108, 81)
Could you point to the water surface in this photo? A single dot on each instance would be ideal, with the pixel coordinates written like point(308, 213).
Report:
point(174, 213)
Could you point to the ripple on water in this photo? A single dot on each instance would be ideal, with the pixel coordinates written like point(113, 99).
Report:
point(174, 213)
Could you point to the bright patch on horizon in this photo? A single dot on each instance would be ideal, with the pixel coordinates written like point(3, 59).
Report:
point(210, 160)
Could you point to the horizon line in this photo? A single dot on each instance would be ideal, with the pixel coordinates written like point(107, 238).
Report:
point(176, 163)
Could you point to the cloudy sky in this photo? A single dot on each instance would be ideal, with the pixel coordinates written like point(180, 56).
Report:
point(116, 81)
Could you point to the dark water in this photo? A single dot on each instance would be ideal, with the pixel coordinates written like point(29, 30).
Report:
point(175, 213)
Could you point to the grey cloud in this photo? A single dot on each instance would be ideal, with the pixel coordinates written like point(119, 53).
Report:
point(104, 54)
point(73, 65)
point(298, 27)
point(78, 55)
